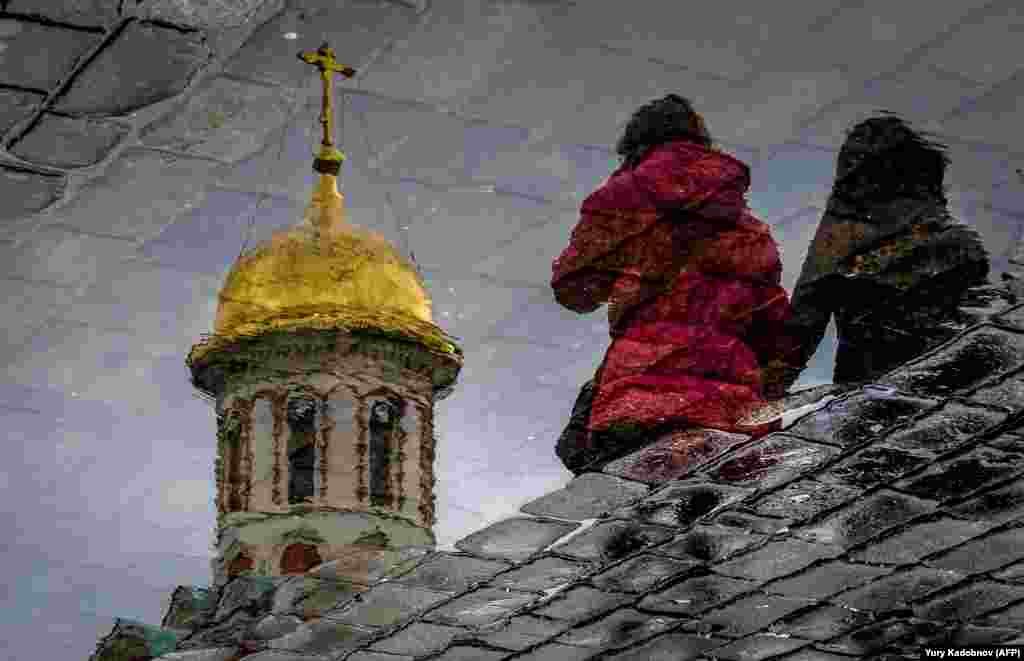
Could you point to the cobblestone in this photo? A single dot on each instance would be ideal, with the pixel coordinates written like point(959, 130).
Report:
point(709, 544)
point(750, 523)
point(641, 573)
point(69, 142)
point(514, 539)
point(979, 355)
point(825, 580)
point(751, 613)
point(859, 417)
point(772, 461)
point(945, 429)
point(582, 603)
point(673, 456)
point(40, 56)
point(898, 589)
point(481, 607)
point(776, 559)
point(995, 506)
point(541, 574)
point(984, 554)
point(557, 652)
point(681, 504)
point(386, 605)
point(865, 518)
point(918, 541)
point(1007, 394)
point(804, 499)
point(145, 64)
point(323, 637)
point(470, 653)
point(619, 629)
point(450, 573)
point(613, 540)
point(89, 13)
point(815, 655)
point(822, 622)
point(27, 192)
point(755, 648)
point(874, 465)
point(670, 647)
point(588, 496)
point(966, 473)
point(696, 594)
point(16, 106)
point(522, 631)
point(1012, 617)
point(970, 601)
point(418, 639)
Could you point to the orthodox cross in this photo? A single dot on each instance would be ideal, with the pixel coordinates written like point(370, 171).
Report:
point(328, 161)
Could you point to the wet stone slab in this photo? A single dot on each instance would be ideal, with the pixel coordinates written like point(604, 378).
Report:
point(955, 478)
point(541, 574)
point(377, 656)
point(450, 573)
point(709, 544)
point(40, 56)
point(1011, 442)
point(776, 559)
point(945, 429)
point(418, 639)
point(613, 540)
point(1010, 617)
point(1012, 574)
point(860, 417)
point(1014, 317)
point(982, 354)
point(26, 192)
point(996, 506)
point(589, 496)
point(874, 465)
point(386, 605)
point(514, 539)
point(582, 603)
point(984, 554)
point(896, 590)
point(969, 602)
point(480, 608)
point(695, 595)
point(557, 652)
point(323, 637)
point(918, 541)
point(804, 499)
point(670, 647)
point(755, 648)
point(881, 635)
point(822, 622)
point(740, 519)
point(470, 653)
point(772, 461)
point(1007, 394)
point(17, 106)
point(673, 456)
point(825, 580)
point(865, 518)
point(750, 614)
point(69, 142)
point(641, 573)
point(681, 504)
point(619, 629)
point(521, 632)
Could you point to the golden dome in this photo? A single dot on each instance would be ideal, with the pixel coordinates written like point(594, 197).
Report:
point(326, 273)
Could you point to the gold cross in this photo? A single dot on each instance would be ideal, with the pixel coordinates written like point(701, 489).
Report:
point(323, 59)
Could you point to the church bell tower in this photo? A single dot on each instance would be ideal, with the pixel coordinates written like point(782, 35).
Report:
point(324, 365)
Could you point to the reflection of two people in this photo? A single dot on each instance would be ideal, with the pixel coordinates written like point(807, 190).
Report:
point(702, 331)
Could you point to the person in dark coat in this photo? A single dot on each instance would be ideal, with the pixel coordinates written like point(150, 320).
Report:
point(692, 282)
point(887, 261)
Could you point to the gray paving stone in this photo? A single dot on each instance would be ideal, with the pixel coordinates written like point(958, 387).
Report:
point(755, 648)
point(825, 580)
point(85, 13)
point(481, 607)
point(695, 594)
point(898, 589)
point(376, 656)
point(865, 518)
point(450, 573)
point(323, 637)
point(969, 602)
point(542, 574)
point(771, 461)
point(673, 456)
point(146, 64)
point(213, 654)
point(956, 478)
point(27, 192)
point(984, 554)
point(588, 496)
point(945, 429)
point(514, 539)
point(68, 142)
point(823, 622)
point(1011, 442)
point(1013, 574)
point(995, 506)
point(642, 573)
point(206, 15)
point(1012, 617)
point(873, 465)
point(1014, 316)
point(804, 499)
point(469, 653)
point(17, 106)
point(278, 655)
point(223, 119)
point(670, 647)
point(859, 417)
point(751, 523)
point(979, 355)
point(418, 639)
point(814, 655)
point(275, 626)
point(582, 603)
point(613, 540)
point(969, 636)
point(619, 629)
point(709, 543)
point(918, 541)
point(40, 56)
point(776, 559)
point(522, 631)
point(557, 652)
point(875, 637)
point(385, 605)
point(750, 613)
point(682, 503)
point(1007, 394)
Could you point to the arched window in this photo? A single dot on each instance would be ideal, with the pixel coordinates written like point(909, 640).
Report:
point(230, 432)
point(385, 415)
point(302, 426)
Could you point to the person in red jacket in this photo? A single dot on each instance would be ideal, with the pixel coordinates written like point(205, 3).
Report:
point(692, 281)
